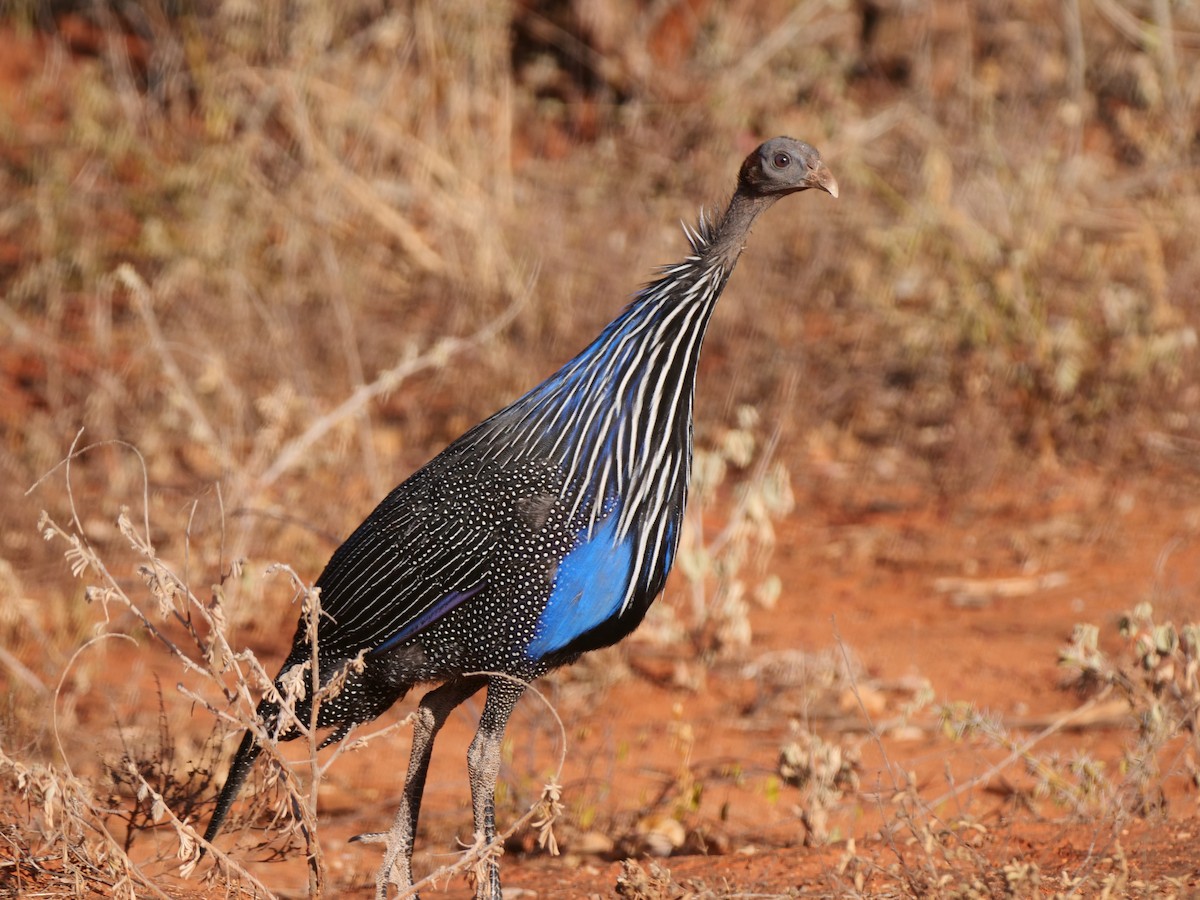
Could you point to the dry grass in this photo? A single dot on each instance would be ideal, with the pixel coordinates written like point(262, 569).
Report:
point(288, 251)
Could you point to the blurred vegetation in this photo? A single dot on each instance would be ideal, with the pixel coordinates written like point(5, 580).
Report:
point(224, 221)
point(309, 193)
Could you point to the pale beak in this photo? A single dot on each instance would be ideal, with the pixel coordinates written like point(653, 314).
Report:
point(822, 178)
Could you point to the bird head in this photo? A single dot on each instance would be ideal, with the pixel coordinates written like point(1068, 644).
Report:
point(782, 166)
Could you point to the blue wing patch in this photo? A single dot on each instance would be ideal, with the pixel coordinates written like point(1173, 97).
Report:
point(588, 588)
point(428, 617)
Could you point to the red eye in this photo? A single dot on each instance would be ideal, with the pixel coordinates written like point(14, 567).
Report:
point(781, 160)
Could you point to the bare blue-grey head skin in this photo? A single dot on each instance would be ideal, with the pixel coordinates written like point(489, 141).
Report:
point(779, 167)
point(784, 165)
point(545, 531)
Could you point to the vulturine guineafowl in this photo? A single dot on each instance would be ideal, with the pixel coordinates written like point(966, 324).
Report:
point(545, 531)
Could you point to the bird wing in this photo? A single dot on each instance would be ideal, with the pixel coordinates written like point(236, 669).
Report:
point(429, 546)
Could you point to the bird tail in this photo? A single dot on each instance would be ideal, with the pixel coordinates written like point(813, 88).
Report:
point(239, 770)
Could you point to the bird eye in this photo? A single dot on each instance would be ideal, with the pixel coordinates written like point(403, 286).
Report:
point(781, 160)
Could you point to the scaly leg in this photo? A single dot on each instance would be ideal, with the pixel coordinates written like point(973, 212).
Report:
point(483, 766)
point(432, 713)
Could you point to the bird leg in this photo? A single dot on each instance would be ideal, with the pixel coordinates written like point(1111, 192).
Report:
point(434, 709)
point(483, 767)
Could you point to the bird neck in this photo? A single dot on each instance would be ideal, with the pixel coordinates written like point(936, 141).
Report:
point(642, 366)
point(619, 414)
point(622, 408)
point(728, 238)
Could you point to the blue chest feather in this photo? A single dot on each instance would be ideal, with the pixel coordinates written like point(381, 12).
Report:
point(590, 584)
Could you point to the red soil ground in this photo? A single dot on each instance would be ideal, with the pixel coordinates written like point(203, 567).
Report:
point(973, 603)
point(971, 600)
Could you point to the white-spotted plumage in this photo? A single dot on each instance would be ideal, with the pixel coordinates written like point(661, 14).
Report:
point(543, 532)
